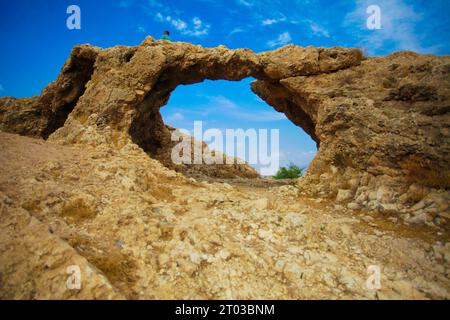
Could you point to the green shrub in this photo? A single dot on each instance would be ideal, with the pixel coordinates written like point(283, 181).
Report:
point(290, 172)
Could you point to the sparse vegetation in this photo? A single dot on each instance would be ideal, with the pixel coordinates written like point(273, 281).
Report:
point(290, 172)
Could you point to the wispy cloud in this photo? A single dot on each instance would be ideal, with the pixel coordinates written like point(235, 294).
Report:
point(268, 22)
point(236, 30)
point(1, 88)
point(272, 21)
point(281, 40)
point(260, 116)
point(141, 29)
point(220, 102)
point(177, 116)
point(246, 3)
point(220, 105)
point(317, 29)
point(195, 28)
point(223, 104)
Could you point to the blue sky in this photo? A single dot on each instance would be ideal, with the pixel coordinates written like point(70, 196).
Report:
point(36, 42)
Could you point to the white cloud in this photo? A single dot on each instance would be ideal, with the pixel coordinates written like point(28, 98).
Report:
point(237, 30)
point(269, 22)
point(317, 29)
point(219, 102)
point(195, 29)
point(222, 102)
point(246, 3)
point(282, 40)
point(200, 29)
point(141, 29)
point(261, 116)
point(178, 24)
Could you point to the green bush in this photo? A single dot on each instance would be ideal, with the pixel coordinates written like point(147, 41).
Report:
point(290, 172)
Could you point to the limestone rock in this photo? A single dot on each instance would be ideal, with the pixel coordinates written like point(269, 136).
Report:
point(384, 119)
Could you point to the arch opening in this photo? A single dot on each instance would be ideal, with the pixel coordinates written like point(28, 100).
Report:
point(220, 104)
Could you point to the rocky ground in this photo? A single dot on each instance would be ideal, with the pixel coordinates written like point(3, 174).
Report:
point(139, 230)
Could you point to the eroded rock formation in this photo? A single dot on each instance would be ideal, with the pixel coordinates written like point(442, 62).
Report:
point(90, 197)
point(383, 128)
point(382, 124)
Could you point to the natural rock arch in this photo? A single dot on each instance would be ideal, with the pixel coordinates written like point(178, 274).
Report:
point(381, 123)
point(117, 92)
point(139, 82)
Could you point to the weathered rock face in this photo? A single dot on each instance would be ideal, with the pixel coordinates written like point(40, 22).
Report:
point(42, 115)
point(128, 86)
point(383, 129)
point(379, 122)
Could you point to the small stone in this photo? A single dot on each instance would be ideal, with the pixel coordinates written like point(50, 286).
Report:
point(292, 271)
point(372, 195)
point(295, 219)
point(353, 206)
point(261, 204)
point(163, 259)
point(346, 230)
point(418, 206)
point(223, 254)
point(344, 195)
point(378, 233)
point(420, 218)
point(264, 234)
